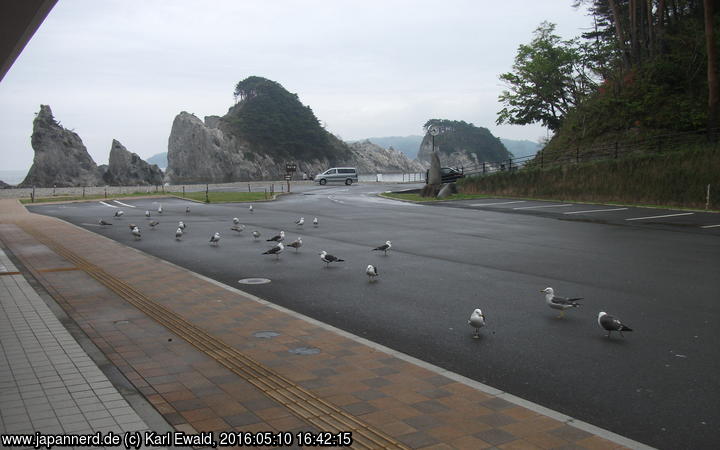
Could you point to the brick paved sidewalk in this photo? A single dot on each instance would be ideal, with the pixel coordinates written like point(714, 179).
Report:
point(212, 358)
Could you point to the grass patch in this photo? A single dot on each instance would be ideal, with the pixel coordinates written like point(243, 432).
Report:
point(227, 197)
point(418, 198)
point(70, 198)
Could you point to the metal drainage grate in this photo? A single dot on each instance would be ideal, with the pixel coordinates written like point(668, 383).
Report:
point(265, 334)
point(254, 281)
point(304, 351)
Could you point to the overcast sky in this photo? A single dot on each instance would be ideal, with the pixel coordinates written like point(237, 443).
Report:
point(123, 69)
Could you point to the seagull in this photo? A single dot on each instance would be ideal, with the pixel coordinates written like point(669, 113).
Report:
point(275, 250)
point(371, 272)
point(178, 234)
point(136, 233)
point(296, 244)
point(102, 222)
point(236, 221)
point(256, 234)
point(327, 258)
point(131, 226)
point(147, 213)
point(560, 303)
point(181, 225)
point(611, 323)
point(278, 238)
point(153, 224)
point(384, 248)
point(215, 239)
point(160, 209)
point(187, 210)
point(119, 213)
point(315, 221)
point(238, 227)
point(300, 222)
point(251, 209)
point(477, 321)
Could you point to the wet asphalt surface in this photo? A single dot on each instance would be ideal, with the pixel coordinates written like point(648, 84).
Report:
point(660, 275)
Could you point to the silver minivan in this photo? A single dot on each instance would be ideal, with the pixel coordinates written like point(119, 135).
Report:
point(348, 175)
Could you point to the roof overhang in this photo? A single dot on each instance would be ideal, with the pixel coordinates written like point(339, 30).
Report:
point(19, 19)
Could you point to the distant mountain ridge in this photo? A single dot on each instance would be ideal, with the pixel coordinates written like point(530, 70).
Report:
point(411, 144)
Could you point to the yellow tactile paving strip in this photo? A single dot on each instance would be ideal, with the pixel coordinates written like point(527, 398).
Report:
point(411, 405)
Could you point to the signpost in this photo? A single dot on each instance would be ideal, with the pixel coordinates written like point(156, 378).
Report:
point(289, 169)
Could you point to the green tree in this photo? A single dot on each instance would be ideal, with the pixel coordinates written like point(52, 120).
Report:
point(549, 78)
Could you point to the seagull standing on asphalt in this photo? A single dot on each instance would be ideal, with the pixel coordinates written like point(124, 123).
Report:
point(251, 209)
point(300, 222)
point(560, 303)
point(477, 321)
point(181, 225)
point(236, 221)
point(315, 222)
point(178, 234)
point(275, 250)
point(384, 248)
point(119, 213)
point(160, 209)
point(371, 272)
point(147, 213)
point(610, 323)
point(238, 227)
point(102, 222)
point(136, 233)
point(187, 210)
point(256, 234)
point(328, 258)
point(296, 244)
point(153, 224)
point(215, 239)
point(131, 226)
point(277, 238)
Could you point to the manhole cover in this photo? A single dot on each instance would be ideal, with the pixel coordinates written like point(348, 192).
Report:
point(254, 281)
point(305, 351)
point(265, 334)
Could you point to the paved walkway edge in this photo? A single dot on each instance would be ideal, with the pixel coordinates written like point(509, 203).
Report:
point(601, 432)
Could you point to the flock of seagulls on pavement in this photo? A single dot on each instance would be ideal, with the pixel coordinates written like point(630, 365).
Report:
point(477, 318)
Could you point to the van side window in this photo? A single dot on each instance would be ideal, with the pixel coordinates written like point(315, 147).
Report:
point(346, 170)
point(331, 172)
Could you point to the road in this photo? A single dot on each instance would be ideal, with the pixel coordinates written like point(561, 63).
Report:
point(658, 385)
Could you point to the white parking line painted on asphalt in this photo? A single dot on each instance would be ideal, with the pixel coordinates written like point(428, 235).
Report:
point(546, 206)
point(659, 217)
point(498, 203)
point(595, 210)
point(124, 204)
point(108, 204)
point(710, 226)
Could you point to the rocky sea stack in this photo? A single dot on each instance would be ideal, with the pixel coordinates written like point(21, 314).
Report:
point(267, 128)
point(461, 144)
point(60, 159)
point(127, 169)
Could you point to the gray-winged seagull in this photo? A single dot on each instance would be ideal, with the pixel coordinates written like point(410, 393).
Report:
point(215, 239)
point(372, 272)
point(384, 248)
point(277, 238)
point(296, 244)
point(119, 213)
point(477, 321)
point(328, 258)
point(136, 233)
point(560, 303)
point(275, 250)
point(611, 323)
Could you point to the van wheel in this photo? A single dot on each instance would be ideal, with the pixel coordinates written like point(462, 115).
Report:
point(323, 181)
point(348, 182)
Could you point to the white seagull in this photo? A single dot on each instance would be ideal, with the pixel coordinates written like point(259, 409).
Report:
point(178, 234)
point(477, 321)
point(238, 227)
point(328, 258)
point(147, 213)
point(296, 244)
point(251, 209)
point(300, 222)
point(610, 323)
point(277, 238)
point(384, 248)
point(119, 213)
point(560, 303)
point(215, 239)
point(181, 225)
point(256, 234)
point(371, 272)
point(160, 209)
point(102, 222)
point(136, 233)
point(275, 250)
point(315, 221)
point(236, 220)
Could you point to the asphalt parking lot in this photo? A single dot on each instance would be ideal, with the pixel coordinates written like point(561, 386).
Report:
point(659, 274)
